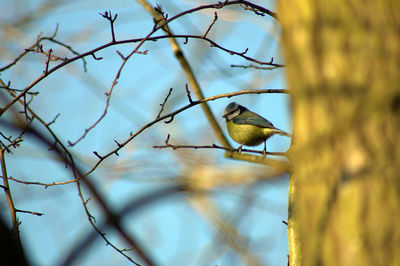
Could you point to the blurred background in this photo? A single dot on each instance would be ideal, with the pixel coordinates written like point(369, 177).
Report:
point(237, 222)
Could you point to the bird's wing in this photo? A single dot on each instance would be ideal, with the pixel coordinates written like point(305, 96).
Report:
point(254, 119)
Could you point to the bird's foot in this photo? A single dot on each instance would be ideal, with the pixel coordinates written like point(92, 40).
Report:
point(240, 149)
point(264, 152)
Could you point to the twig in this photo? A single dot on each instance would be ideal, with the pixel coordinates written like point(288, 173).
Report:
point(54, 120)
point(46, 185)
point(257, 67)
point(92, 221)
point(48, 61)
point(213, 146)
point(7, 191)
point(30, 212)
point(96, 58)
point(172, 114)
point(65, 154)
point(258, 10)
point(98, 155)
point(188, 93)
point(164, 26)
point(163, 104)
point(212, 24)
point(216, 45)
point(39, 49)
point(111, 19)
point(91, 52)
point(114, 83)
point(112, 218)
point(130, 208)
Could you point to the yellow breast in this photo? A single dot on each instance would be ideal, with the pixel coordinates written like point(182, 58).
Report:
point(248, 135)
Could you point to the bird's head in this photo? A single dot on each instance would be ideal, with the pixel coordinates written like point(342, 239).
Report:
point(232, 110)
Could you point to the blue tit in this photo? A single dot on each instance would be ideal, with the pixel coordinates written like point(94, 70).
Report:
point(248, 128)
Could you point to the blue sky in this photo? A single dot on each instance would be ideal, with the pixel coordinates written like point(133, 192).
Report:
point(175, 231)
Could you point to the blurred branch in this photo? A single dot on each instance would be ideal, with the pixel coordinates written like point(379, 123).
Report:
point(278, 165)
point(228, 233)
point(162, 18)
point(7, 191)
point(159, 15)
point(99, 231)
point(131, 208)
point(113, 219)
point(67, 157)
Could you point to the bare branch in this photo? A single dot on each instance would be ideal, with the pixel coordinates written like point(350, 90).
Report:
point(46, 185)
point(188, 93)
point(141, 41)
point(212, 24)
point(163, 104)
point(111, 19)
point(7, 191)
point(213, 146)
point(54, 120)
point(256, 67)
point(112, 218)
point(30, 212)
point(171, 116)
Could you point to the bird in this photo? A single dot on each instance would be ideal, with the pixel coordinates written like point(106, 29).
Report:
point(248, 128)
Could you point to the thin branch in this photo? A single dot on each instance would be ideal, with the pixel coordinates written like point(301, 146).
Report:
point(92, 222)
point(188, 94)
point(111, 19)
point(35, 93)
point(141, 40)
point(163, 104)
point(213, 146)
point(212, 24)
point(258, 10)
point(39, 49)
point(162, 17)
point(185, 65)
point(66, 155)
point(172, 114)
point(46, 185)
point(257, 67)
point(7, 191)
point(113, 219)
point(131, 208)
point(54, 120)
point(30, 212)
point(114, 83)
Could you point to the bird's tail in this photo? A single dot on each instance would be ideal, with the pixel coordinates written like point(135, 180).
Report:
point(283, 133)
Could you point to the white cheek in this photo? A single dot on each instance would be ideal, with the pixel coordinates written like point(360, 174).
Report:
point(233, 115)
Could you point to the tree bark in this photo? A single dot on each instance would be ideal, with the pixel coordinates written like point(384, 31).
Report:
point(343, 71)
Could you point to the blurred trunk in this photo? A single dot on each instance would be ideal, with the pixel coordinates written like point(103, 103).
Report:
point(343, 70)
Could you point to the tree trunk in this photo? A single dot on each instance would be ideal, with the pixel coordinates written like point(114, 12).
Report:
point(343, 69)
